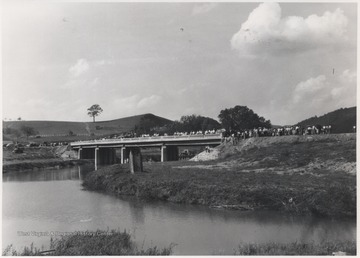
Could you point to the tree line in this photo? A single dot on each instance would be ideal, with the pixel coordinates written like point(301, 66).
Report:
point(238, 118)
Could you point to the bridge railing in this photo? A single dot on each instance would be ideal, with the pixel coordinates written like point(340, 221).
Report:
point(151, 138)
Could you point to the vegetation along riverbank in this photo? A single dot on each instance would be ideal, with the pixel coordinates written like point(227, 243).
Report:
point(39, 157)
point(296, 174)
point(90, 243)
point(120, 243)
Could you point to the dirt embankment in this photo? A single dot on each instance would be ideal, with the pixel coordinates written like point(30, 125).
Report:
point(298, 175)
point(39, 157)
point(287, 154)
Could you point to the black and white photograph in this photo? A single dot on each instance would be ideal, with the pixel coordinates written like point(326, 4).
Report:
point(178, 128)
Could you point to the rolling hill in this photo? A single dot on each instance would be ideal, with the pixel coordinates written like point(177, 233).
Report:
point(341, 120)
point(60, 128)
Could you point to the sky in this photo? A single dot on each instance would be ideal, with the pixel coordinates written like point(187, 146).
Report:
point(285, 61)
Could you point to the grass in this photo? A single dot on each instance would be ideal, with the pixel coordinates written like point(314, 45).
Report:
point(83, 129)
point(251, 178)
point(119, 243)
point(333, 195)
point(326, 248)
point(36, 158)
point(99, 242)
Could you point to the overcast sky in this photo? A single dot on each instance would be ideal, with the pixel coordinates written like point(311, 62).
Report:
point(286, 61)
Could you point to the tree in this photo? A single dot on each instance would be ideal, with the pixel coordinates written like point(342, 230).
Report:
point(94, 111)
point(196, 123)
point(241, 118)
point(193, 123)
point(27, 131)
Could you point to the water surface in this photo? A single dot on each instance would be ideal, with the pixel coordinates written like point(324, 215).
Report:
point(53, 200)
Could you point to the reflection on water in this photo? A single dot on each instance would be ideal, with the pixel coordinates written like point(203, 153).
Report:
point(72, 173)
point(53, 200)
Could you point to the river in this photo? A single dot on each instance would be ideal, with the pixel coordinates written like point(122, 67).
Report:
point(53, 201)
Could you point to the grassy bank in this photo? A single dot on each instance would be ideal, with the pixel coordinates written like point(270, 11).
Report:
point(303, 178)
point(90, 243)
point(39, 158)
point(119, 243)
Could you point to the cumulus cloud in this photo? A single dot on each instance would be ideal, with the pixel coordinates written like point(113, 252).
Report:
point(149, 101)
point(324, 93)
point(203, 8)
point(79, 68)
point(310, 88)
point(266, 30)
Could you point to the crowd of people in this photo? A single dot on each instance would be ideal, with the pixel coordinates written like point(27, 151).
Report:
point(243, 134)
point(280, 131)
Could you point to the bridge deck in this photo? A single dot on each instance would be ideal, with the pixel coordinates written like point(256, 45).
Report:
point(152, 141)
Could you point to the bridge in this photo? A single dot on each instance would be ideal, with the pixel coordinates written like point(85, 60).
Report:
point(104, 151)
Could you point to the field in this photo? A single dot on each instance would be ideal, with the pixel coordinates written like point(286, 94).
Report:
point(303, 176)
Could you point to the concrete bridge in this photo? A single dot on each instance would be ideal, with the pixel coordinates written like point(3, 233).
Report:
point(104, 151)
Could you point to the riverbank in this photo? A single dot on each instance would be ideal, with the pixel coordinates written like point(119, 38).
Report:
point(120, 243)
point(308, 177)
point(42, 164)
point(40, 158)
point(325, 248)
point(89, 243)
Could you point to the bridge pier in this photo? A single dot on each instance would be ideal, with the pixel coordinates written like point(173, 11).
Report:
point(80, 153)
point(122, 155)
point(163, 153)
point(135, 160)
point(97, 157)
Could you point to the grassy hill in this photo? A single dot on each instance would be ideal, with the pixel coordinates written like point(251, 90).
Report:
point(341, 120)
point(61, 128)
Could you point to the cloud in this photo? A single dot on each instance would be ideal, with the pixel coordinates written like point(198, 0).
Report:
point(266, 30)
point(81, 66)
point(309, 88)
point(324, 93)
point(203, 8)
point(149, 101)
